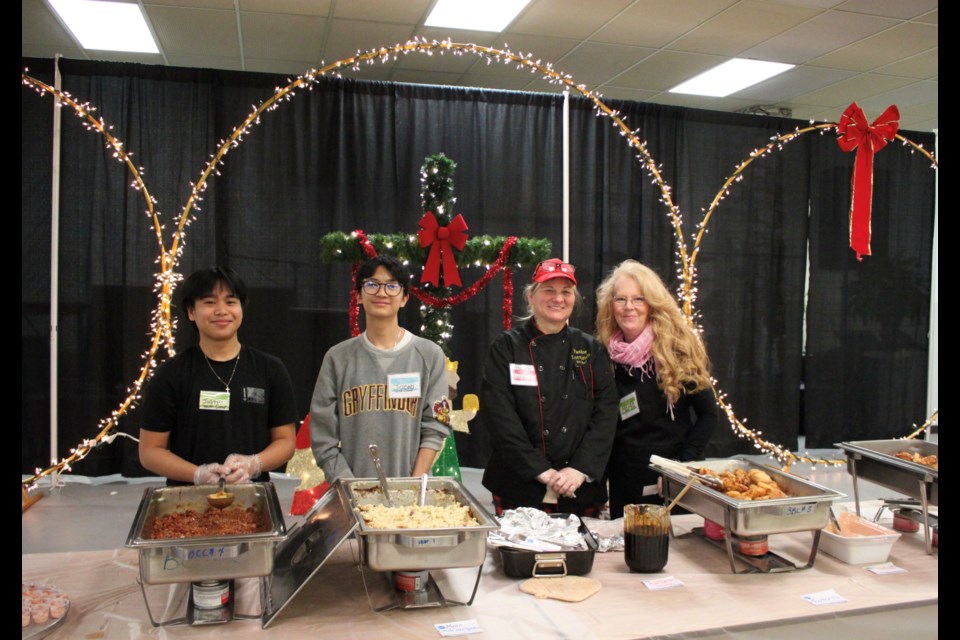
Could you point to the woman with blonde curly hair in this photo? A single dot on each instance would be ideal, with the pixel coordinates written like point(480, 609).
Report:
point(667, 406)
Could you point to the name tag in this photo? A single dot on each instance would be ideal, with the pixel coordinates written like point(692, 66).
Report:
point(215, 400)
point(523, 375)
point(403, 385)
point(629, 406)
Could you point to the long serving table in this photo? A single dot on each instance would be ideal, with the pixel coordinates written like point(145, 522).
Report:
point(106, 601)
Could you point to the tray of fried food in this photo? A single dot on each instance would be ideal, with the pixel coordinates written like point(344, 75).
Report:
point(747, 484)
point(914, 457)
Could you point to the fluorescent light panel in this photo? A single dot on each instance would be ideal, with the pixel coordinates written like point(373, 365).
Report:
point(485, 15)
point(730, 77)
point(106, 26)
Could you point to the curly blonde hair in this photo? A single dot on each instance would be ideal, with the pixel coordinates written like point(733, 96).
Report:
point(679, 352)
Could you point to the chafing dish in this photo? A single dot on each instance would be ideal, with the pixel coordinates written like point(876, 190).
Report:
point(806, 508)
point(206, 558)
point(418, 549)
point(876, 461)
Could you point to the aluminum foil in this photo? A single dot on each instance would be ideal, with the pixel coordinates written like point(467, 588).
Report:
point(609, 533)
point(526, 522)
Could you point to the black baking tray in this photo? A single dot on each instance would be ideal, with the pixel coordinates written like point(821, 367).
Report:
point(519, 563)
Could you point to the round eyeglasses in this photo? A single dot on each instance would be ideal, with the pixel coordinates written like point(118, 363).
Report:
point(392, 289)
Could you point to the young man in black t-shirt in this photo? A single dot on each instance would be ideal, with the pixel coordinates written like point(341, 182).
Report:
point(217, 409)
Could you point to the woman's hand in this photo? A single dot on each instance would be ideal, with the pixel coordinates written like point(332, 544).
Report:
point(567, 481)
point(548, 477)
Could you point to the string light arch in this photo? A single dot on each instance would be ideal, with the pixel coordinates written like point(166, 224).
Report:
point(163, 324)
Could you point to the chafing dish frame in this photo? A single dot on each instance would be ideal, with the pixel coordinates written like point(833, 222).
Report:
point(876, 461)
point(806, 509)
point(385, 550)
point(187, 560)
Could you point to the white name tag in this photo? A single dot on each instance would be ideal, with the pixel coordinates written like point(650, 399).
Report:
point(523, 375)
point(629, 406)
point(215, 400)
point(403, 385)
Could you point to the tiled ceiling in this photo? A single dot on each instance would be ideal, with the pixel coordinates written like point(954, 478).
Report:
point(875, 52)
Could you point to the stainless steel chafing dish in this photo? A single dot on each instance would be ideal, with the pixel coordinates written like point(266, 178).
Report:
point(876, 461)
point(418, 549)
point(206, 558)
point(806, 508)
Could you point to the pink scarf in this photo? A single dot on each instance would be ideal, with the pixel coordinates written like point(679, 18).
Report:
point(636, 354)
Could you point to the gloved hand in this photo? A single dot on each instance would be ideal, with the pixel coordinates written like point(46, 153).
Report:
point(241, 468)
point(209, 473)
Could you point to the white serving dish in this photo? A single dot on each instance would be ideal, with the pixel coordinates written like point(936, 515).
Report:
point(872, 546)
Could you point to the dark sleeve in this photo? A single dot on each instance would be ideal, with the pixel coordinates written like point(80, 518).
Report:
point(594, 451)
point(704, 405)
point(158, 410)
point(283, 409)
point(508, 433)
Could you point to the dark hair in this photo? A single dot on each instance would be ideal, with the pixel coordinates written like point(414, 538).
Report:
point(202, 283)
point(396, 268)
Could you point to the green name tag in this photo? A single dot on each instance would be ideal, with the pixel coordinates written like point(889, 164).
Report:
point(215, 400)
point(629, 406)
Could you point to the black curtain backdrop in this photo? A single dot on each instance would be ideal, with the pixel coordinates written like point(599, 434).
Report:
point(346, 155)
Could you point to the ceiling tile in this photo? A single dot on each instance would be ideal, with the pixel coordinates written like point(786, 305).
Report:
point(796, 81)
point(39, 26)
point(923, 66)
point(882, 49)
point(745, 25)
point(916, 93)
point(665, 70)
point(594, 64)
point(566, 18)
point(929, 18)
point(318, 8)
point(904, 9)
point(410, 12)
point(818, 36)
point(202, 32)
point(222, 5)
point(281, 36)
point(859, 87)
point(544, 48)
point(346, 37)
point(652, 23)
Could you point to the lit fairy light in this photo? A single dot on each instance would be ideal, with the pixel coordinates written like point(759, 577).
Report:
point(162, 325)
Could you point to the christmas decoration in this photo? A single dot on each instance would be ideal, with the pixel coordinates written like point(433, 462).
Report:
point(853, 132)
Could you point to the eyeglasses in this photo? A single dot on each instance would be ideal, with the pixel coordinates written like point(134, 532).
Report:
point(392, 289)
point(550, 267)
point(636, 301)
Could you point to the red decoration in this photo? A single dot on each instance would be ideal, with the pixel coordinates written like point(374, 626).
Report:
point(450, 301)
point(853, 132)
point(442, 241)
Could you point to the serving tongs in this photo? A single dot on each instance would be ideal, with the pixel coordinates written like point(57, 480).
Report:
point(687, 472)
point(375, 454)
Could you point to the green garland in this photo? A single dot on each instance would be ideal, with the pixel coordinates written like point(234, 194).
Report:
point(479, 251)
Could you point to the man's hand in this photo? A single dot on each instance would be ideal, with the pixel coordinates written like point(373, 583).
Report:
point(241, 468)
point(209, 473)
point(567, 481)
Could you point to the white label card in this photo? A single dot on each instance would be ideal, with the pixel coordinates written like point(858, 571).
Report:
point(825, 597)
point(403, 385)
point(459, 628)
point(659, 584)
point(523, 375)
point(215, 400)
point(629, 406)
point(885, 569)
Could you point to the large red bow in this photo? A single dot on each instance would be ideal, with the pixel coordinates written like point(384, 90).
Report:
point(441, 240)
point(853, 132)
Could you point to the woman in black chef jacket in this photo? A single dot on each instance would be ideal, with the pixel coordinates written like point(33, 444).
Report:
point(550, 404)
point(662, 371)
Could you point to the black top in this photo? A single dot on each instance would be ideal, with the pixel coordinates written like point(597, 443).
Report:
point(566, 418)
point(261, 398)
point(680, 435)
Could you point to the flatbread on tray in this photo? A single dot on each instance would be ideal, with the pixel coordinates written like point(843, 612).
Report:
point(567, 588)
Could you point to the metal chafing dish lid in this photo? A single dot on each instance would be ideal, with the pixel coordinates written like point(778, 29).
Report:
point(306, 549)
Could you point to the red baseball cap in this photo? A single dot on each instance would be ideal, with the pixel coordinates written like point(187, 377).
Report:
point(554, 268)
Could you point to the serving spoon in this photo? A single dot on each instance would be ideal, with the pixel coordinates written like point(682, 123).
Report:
point(221, 499)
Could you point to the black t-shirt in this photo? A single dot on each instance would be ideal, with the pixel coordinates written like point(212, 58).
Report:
point(260, 399)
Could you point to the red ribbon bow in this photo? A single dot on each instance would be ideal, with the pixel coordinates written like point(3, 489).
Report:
point(441, 241)
point(853, 132)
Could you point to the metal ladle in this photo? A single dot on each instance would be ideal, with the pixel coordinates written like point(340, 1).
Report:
point(375, 454)
point(221, 499)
